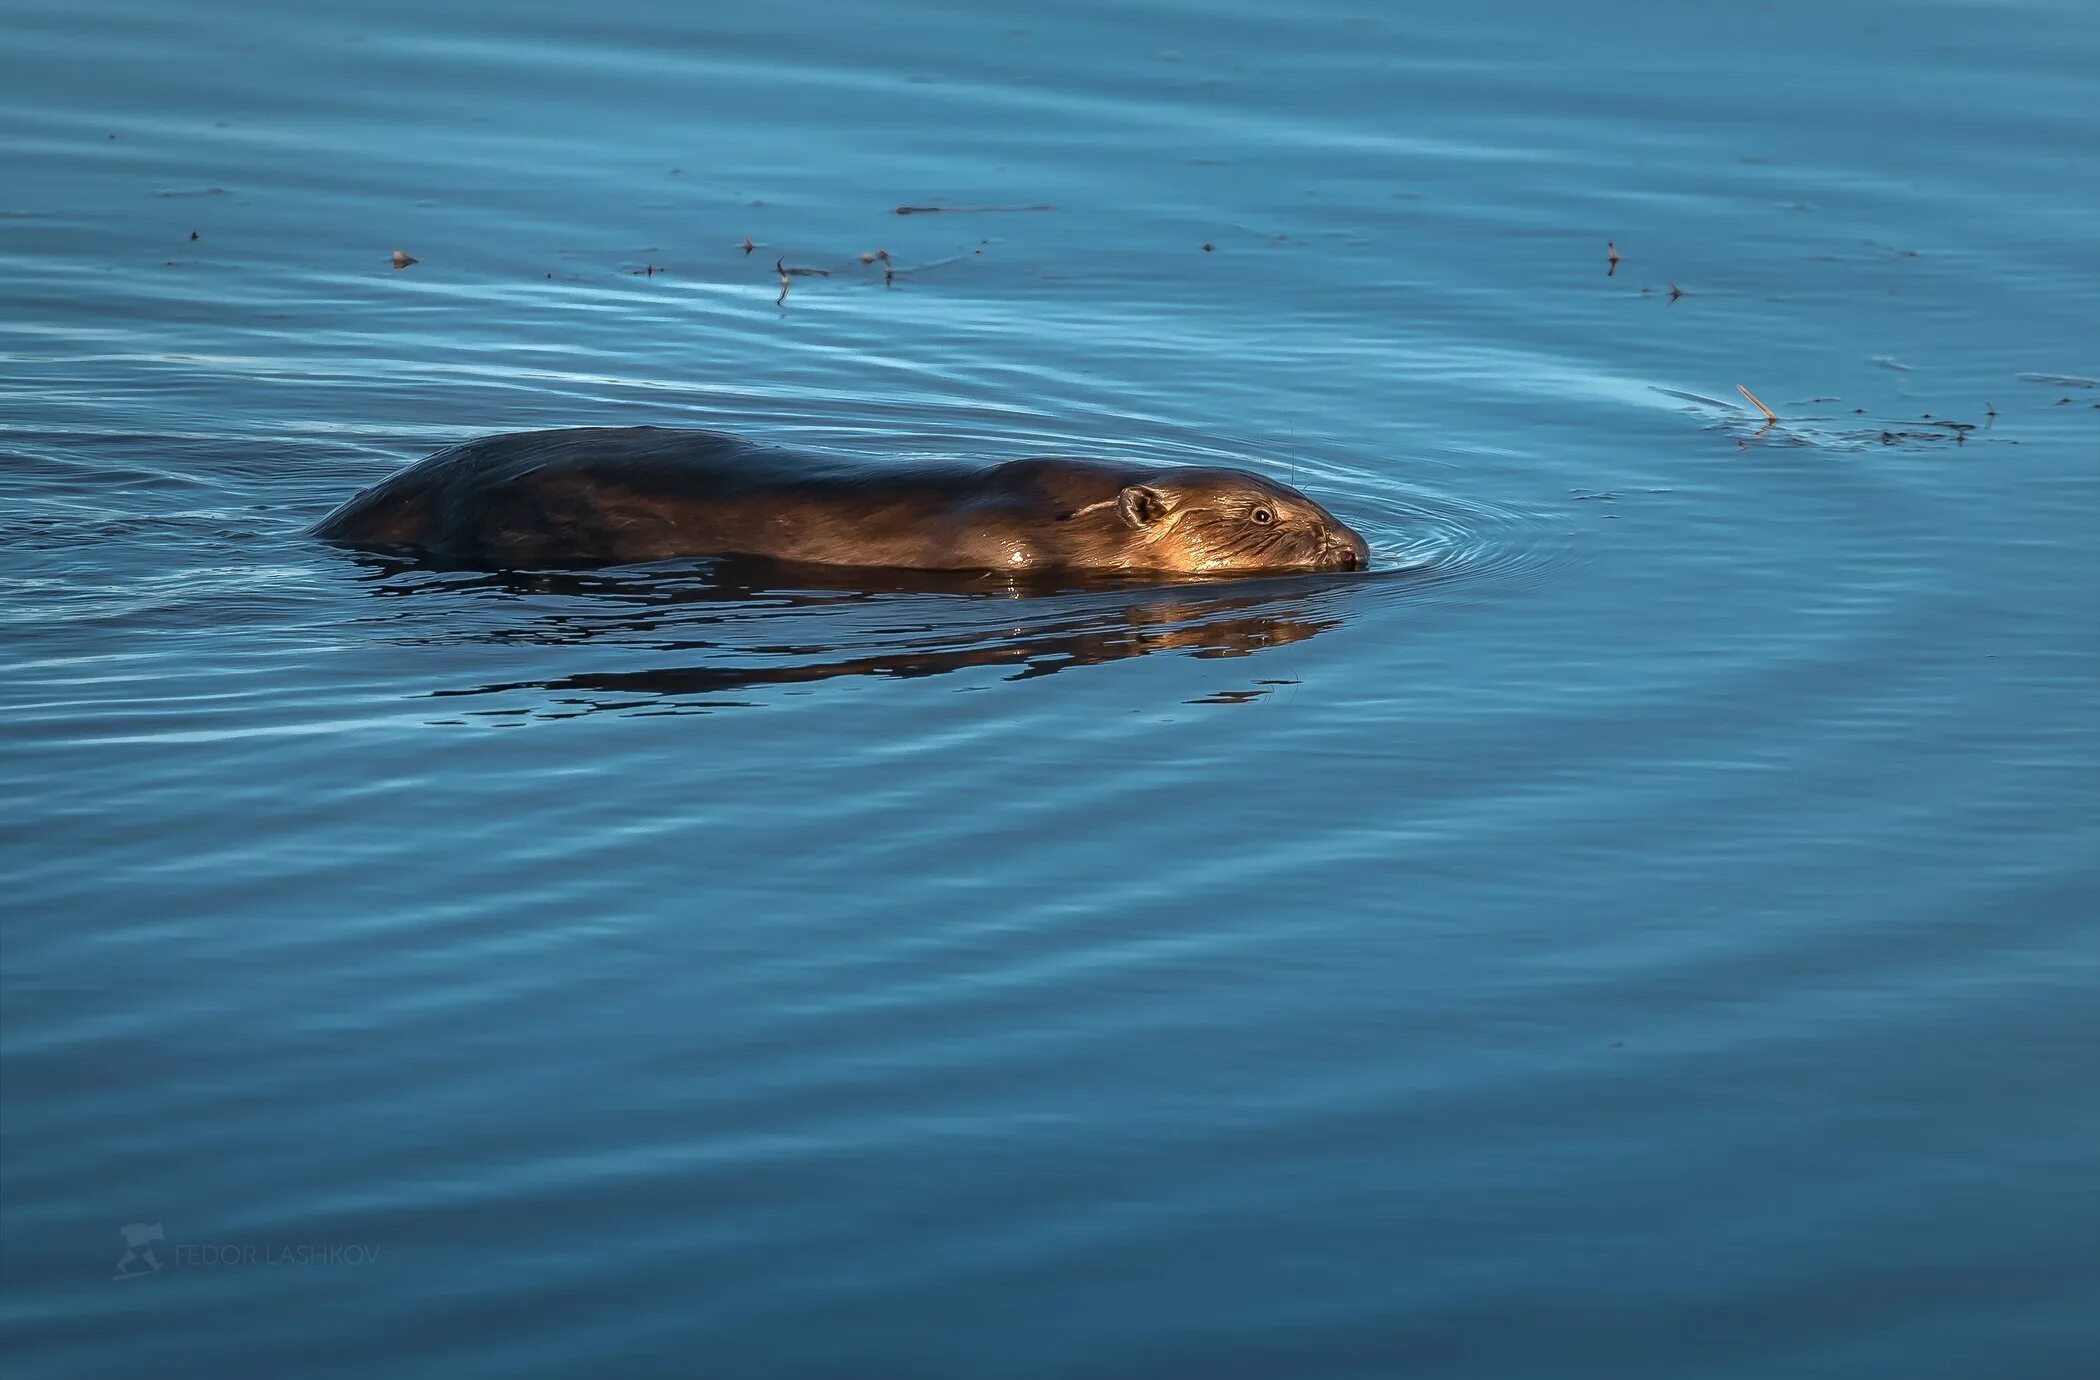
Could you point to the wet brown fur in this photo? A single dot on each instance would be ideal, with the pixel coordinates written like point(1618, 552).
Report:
point(621, 495)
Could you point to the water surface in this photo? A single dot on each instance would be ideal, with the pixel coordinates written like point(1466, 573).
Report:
point(1646, 928)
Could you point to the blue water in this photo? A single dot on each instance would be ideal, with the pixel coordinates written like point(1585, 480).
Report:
point(1647, 928)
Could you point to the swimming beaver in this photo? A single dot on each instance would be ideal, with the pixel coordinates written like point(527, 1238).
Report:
point(616, 495)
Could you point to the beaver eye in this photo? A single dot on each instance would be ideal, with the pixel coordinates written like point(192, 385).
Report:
point(1262, 517)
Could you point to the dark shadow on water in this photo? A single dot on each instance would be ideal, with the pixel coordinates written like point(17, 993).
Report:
point(697, 636)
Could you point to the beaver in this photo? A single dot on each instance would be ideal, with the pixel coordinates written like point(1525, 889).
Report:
point(602, 496)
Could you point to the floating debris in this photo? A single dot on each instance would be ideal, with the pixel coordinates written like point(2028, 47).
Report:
point(1695, 397)
point(1770, 415)
point(889, 268)
point(1816, 432)
point(1229, 697)
point(402, 259)
point(936, 210)
point(789, 275)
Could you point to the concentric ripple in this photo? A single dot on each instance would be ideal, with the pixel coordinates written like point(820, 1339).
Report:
point(713, 635)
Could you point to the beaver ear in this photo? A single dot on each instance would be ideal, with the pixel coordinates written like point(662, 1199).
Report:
point(1141, 505)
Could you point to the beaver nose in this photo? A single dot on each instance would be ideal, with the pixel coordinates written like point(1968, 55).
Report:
point(1346, 551)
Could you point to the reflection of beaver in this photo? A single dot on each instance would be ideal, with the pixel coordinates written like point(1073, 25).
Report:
point(608, 496)
point(1217, 625)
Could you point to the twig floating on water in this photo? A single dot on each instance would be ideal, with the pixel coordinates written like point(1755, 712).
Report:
point(1770, 415)
point(932, 210)
point(1694, 397)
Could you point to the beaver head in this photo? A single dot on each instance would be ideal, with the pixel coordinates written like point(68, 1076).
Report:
point(1223, 522)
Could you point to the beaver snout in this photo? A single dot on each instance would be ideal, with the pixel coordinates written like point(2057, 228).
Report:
point(1343, 550)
